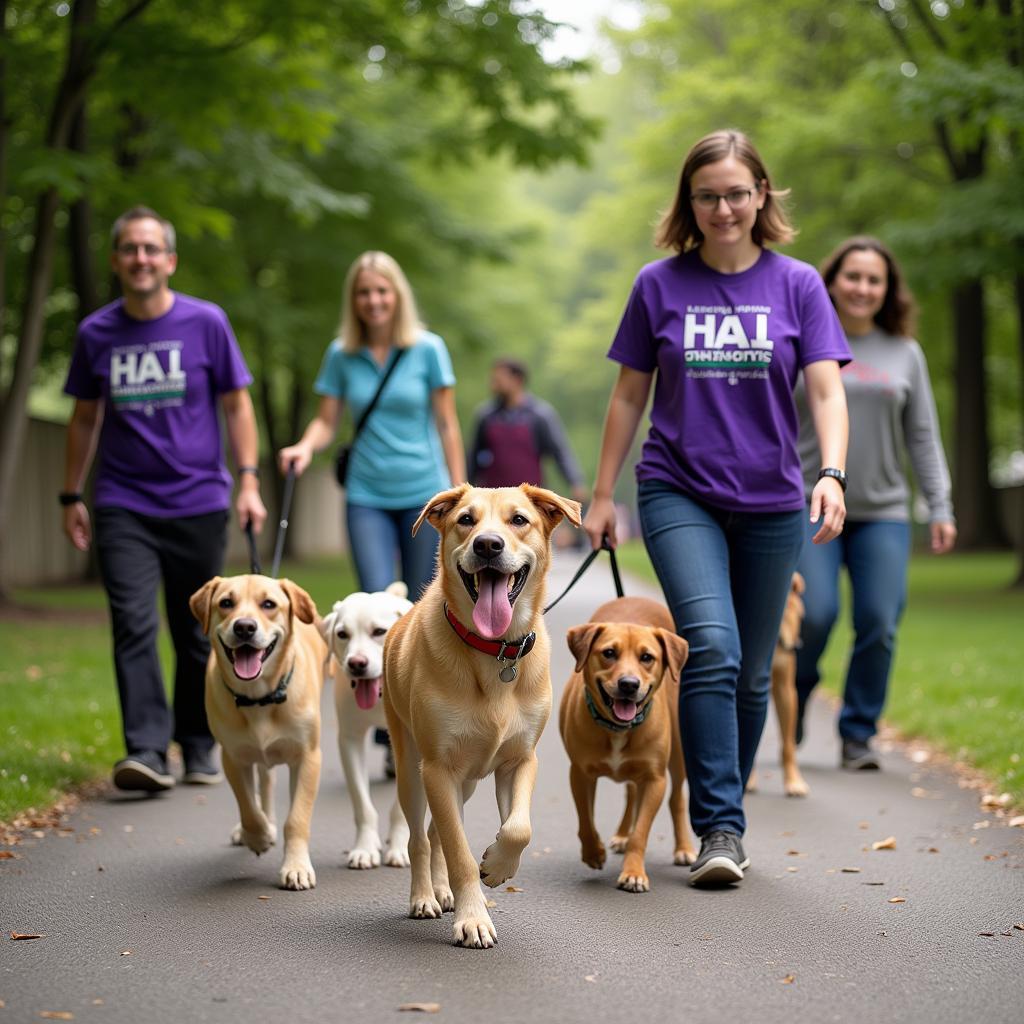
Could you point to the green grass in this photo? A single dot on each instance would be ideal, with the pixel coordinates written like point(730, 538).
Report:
point(59, 719)
point(958, 680)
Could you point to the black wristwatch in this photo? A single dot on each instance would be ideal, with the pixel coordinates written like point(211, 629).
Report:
point(67, 498)
point(836, 474)
point(255, 470)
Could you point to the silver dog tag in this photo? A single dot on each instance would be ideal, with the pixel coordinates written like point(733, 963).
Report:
point(508, 674)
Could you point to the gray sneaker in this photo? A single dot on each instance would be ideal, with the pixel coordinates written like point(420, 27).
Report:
point(721, 860)
point(201, 768)
point(858, 756)
point(146, 771)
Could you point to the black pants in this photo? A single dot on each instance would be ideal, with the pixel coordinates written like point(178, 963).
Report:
point(134, 552)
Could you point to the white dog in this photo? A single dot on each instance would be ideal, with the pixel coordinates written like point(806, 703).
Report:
point(354, 631)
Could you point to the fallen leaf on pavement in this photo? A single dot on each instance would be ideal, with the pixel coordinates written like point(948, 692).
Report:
point(513, 888)
point(933, 849)
point(590, 977)
point(126, 952)
point(421, 1007)
point(263, 897)
point(490, 903)
point(1017, 822)
point(991, 802)
point(26, 935)
point(897, 899)
point(1019, 926)
point(56, 1015)
point(981, 824)
point(872, 883)
point(850, 871)
point(862, 825)
point(788, 979)
point(988, 935)
point(6, 855)
point(889, 843)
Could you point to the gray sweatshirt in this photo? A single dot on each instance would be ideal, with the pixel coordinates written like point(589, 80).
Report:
point(892, 411)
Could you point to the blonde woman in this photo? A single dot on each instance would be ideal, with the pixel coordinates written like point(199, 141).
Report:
point(410, 446)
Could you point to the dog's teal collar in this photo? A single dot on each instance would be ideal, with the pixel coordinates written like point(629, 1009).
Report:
point(278, 696)
point(615, 726)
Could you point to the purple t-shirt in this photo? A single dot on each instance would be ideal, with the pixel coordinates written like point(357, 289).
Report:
point(727, 348)
point(160, 449)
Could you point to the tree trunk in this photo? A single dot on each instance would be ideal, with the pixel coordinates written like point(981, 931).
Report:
point(973, 495)
point(4, 130)
point(77, 71)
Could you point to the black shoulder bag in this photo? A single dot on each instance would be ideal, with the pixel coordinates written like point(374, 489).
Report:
point(344, 451)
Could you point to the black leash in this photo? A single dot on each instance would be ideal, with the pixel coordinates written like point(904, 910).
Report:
point(254, 555)
point(605, 546)
point(282, 526)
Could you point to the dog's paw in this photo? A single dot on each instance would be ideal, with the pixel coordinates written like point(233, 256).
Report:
point(499, 864)
point(424, 907)
point(683, 857)
point(617, 844)
point(593, 855)
point(634, 883)
point(475, 931)
point(258, 842)
point(297, 876)
point(396, 856)
point(445, 898)
point(361, 860)
point(797, 787)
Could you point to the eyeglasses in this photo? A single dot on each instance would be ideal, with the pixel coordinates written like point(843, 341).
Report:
point(737, 198)
point(127, 249)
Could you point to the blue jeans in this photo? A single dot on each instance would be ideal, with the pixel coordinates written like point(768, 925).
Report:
point(875, 555)
point(725, 576)
point(381, 538)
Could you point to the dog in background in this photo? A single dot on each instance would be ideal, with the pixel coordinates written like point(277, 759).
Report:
point(354, 631)
point(619, 719)
point(784, 690)
point(263, 685)
point(467, 691)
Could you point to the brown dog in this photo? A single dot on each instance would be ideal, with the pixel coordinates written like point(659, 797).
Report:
point(784, 690)
point(619, 719)
point(263, 684)
point(467, 692)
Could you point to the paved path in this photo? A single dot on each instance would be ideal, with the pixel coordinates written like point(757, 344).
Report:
point(150, 916)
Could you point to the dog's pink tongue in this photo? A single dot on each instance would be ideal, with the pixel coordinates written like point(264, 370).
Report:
point(248, 663)
point(625, 710)
point(367, 692)
point(492, 614)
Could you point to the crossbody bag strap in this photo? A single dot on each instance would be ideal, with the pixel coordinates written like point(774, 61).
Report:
point(373, 401)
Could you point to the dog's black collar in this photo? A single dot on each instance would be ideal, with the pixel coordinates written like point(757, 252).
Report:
point(278, 696)
point(615, 726)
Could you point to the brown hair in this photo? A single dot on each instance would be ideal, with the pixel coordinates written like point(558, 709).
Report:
point(143, 213)
point(899, 311)
point(678, 228)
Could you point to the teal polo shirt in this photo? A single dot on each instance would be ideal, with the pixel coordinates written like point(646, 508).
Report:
point(397, 461)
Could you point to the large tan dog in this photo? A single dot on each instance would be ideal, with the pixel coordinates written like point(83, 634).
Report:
point(619, 719)
point(784, 690)
point(263, 684)
point(467, 692)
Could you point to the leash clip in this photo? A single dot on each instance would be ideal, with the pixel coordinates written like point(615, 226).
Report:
point(509, 671)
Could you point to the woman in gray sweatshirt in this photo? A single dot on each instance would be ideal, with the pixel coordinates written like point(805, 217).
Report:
point(892, 412)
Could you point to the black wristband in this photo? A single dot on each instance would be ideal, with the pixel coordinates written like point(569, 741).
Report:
point(67, 498)
point(255, 470)
point(837, 474)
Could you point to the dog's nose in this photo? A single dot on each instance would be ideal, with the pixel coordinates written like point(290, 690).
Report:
point(628, 685)
point(357, 664)
point(245, 629)
point(488, 545)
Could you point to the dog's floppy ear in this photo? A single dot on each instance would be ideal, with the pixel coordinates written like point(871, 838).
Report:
point(302, 604)
point(676, 650)
point(554, 506)
point(201, 602)
point(326, 627)
point(397, 589)
point(580, 639)
point(439, 506)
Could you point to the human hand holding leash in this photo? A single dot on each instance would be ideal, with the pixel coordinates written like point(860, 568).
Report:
point(599, 522)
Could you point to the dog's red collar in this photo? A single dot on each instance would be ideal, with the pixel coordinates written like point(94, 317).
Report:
point(507, 653)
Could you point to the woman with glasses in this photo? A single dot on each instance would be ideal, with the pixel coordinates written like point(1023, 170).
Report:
point(892, 415)
point(721, 329)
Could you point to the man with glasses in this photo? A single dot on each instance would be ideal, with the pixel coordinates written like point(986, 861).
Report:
point(147, 374)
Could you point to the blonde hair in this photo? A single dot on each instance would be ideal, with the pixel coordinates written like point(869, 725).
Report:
point(407, 323)
point(678, 228)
